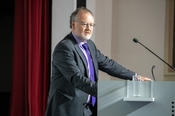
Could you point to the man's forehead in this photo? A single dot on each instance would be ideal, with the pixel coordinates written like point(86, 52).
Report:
point(84, 14)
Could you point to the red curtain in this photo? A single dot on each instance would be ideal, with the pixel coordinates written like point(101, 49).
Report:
point(31, 59)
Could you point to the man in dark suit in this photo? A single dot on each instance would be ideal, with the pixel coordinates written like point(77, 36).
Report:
point(75, 65)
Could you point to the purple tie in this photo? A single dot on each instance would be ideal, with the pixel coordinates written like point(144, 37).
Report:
point(91, 69)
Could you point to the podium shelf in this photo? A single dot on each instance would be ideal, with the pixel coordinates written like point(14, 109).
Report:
point(139, 99)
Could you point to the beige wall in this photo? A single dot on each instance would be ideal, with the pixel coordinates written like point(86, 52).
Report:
point(119, 21)
point(103, 35)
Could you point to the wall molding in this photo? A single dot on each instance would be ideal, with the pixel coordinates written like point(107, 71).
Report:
point(168, 73)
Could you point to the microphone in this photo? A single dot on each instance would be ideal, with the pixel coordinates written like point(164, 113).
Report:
point(136, 41)
point(152, 71)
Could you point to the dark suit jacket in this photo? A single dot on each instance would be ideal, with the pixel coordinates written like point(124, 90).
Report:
point(70, 84)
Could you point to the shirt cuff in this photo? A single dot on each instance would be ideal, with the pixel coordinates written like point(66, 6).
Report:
point(136, 77)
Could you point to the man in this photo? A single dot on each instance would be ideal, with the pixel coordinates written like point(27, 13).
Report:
point(76, 60)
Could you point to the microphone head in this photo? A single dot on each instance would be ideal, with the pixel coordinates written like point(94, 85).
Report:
point(135, 40)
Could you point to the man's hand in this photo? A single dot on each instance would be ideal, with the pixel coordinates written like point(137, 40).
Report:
point(142, 78)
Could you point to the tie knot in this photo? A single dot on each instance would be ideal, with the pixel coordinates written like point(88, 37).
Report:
point(85, 46)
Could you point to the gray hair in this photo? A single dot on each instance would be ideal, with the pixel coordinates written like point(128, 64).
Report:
point(74, 15)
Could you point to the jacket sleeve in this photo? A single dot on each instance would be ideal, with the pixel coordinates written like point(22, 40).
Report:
point(112, 67)
point(63, 59)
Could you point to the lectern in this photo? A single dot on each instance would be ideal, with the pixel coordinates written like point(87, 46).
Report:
point(123, 98)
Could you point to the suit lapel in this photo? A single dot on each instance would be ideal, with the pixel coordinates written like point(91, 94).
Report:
point(82, 57)
point(80, 53)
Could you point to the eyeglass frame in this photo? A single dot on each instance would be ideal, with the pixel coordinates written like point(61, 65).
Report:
point(85, 24)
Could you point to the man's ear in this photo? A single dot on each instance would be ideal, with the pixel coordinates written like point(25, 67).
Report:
point(73, 25)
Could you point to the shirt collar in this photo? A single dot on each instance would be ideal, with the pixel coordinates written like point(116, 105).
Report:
point(78, 40)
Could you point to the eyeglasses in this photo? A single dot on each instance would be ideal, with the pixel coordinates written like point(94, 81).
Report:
point(86, 24)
